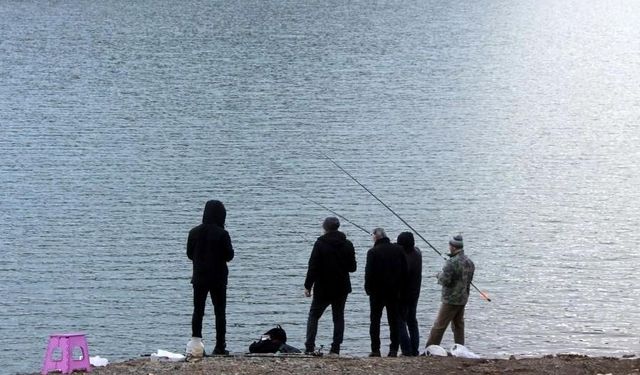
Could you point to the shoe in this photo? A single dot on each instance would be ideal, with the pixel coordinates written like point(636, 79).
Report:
point(316, 353)
point(220, 352)
point(392, 354)
point(374, 354)
point(309, 349)
point(333, 354)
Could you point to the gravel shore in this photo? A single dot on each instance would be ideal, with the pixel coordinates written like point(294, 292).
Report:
point(560, 364)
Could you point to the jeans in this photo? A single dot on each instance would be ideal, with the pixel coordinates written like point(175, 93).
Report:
point(409, 341)
point(391, 303)
point(219, 300)
point(318, 306)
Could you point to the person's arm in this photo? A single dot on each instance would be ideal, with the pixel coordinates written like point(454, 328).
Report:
point(419, 265)
point(472, 270)
point(312, 270)
point(228, 248)
point(353, 265)
point(368, 273)
point(190, 244)
point(445, 277)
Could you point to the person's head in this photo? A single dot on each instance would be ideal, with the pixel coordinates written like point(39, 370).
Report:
point(331, 224)
point(378, 233)
point(214, 213)
point(456, 244)
point(405, 239)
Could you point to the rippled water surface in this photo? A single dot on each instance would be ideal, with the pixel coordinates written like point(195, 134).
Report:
point(513, 122)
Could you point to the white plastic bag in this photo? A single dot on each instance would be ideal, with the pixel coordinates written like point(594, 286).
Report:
point(98, 361)
point(436, 350)
point(458, 350)
point(163, 355)
point(195, 347)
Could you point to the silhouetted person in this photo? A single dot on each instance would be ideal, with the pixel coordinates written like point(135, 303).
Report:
point(332, 259)
point(209, 247)
point(384, 279)
point(456, 277)
point(409, 330)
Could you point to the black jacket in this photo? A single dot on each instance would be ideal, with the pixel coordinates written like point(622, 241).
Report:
point(332, 259)
point(386, 270)
point(414, 273)
point(209, 247)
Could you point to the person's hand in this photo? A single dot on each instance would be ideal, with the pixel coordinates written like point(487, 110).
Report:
point(307, 292)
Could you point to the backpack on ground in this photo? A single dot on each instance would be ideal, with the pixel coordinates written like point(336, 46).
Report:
point(273, 341)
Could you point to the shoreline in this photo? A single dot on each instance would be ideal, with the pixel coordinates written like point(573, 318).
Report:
point(300, 364)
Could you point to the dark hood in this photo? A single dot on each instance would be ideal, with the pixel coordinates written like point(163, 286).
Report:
point(405, 239)
point(214, 213)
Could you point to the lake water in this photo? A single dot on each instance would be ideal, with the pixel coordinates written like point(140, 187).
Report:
point(516, 123)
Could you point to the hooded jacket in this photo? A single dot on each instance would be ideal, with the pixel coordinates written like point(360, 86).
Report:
point(386, 270)
point(414, 266)
point(332, 259)
point(209, 247)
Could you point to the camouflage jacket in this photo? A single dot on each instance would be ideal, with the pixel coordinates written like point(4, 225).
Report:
point(455, 278)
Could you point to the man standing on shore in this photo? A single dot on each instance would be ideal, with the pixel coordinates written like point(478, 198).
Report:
point(332, 259)
point(209, 248)
point(409, 331)
point(384, 279)
point(455, 278)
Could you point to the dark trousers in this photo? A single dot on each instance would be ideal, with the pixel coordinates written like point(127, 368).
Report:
point(453, 314)
point(377, 303)
point(318, 306)
point(219, 299)
point(409, 331)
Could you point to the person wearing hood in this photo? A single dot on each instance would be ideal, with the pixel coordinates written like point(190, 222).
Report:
point(209, 248)
point(332, 259)
point(384, 280)
point(456, 277)
point(409, 330)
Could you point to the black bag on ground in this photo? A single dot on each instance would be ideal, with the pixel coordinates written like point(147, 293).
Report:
point(272, 341)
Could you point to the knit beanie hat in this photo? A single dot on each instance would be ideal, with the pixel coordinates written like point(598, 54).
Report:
point(331, 223)
point(456, 241)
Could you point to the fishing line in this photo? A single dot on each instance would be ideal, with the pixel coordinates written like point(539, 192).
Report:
point(483, 294)
point(326, 208)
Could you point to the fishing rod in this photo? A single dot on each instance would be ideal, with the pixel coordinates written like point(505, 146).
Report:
point(328, 209)
point(338, 215)
point(384, 204)
point(484, 295)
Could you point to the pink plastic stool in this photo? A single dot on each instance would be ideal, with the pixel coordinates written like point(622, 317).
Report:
point(67, 343)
